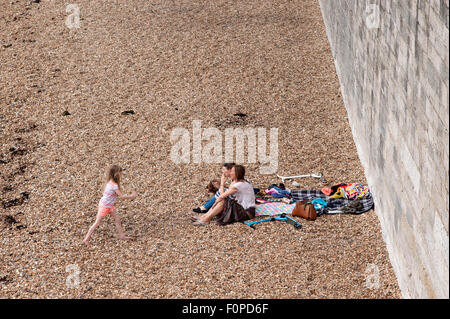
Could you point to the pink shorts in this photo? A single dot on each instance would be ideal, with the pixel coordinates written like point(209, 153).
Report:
point(104, 211)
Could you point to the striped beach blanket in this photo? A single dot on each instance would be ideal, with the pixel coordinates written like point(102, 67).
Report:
point(274, 208)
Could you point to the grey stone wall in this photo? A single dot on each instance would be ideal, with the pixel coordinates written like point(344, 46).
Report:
point(391, 58)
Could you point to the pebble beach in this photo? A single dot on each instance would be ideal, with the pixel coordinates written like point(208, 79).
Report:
point(75, 100)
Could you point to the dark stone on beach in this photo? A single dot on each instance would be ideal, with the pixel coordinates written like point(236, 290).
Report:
point(8, 188)
point(240, 114)
point(16, 201)
point(128, 112)
point(13, 202)
point(7, 45)
point(4, 278)
point(8, 219)
point(15, 151)
point(25, 195)
point(66, 113)
point(20, 170)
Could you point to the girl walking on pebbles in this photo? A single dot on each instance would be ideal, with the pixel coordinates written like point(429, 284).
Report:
point(106, 204)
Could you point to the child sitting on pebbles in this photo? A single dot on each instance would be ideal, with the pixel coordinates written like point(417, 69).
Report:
point(213, 187)
point(106, 204)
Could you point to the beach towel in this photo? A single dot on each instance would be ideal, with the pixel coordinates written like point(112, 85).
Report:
point(274, 208)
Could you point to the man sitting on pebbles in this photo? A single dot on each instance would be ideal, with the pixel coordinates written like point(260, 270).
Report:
point(226, 207)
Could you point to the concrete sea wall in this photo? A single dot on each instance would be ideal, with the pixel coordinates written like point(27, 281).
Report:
point(392, 61)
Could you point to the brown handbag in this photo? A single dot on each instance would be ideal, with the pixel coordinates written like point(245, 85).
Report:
point(304, 210)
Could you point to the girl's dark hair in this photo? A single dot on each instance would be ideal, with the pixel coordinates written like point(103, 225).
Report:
point(239, 171)
point(211, 187)
point(114, 174)
point(228, 165)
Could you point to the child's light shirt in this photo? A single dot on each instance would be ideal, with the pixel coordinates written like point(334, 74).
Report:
point(109, 195)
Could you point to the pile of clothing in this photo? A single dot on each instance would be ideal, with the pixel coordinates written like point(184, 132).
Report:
point(347, 191)
point(278, 191)
point(353, 198)
point(274, 193)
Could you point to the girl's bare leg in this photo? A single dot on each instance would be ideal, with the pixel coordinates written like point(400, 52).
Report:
point(119, 226)
point(214, 211)
point(92, 229)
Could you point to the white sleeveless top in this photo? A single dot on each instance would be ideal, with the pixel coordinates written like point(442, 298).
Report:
point(109, 195)
point(245, 195)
